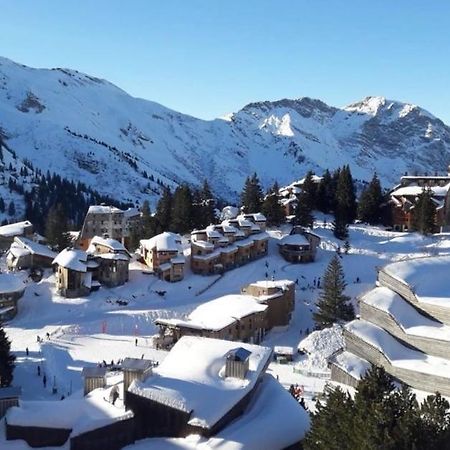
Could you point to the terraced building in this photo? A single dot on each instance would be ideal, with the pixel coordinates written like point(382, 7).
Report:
point(404, 326)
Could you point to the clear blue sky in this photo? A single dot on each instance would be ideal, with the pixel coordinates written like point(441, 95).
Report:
point(210, 57)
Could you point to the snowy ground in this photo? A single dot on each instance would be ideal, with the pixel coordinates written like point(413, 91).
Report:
point(89, 330)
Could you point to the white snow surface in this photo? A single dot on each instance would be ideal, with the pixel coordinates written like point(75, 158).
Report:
point(72, 259)
point(165, 241)
point(428, 278)
point(409, 319)
point(352, 364)
point(398, 354)
point(14, 229)
point(191, 378)
point(320, 345)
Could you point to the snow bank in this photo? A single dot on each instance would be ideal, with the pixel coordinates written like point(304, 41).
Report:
point(319, 346)
point(352, 364)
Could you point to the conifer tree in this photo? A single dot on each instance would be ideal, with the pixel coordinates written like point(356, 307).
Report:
point(325, 193)
point(56, 228)
point(310, 188)
point(11, 209)
point(340, 227)
point(333, 305)
point(6, 360)
point(369, 206)
point(345, 196)
point(272, 208)
point(331, 424)
point(252, 196)
point(181, 215)
point(206, 211)
point(303, 211)
point(2, 205)
point(147, 221)
point(164, 211)
point(424, 213)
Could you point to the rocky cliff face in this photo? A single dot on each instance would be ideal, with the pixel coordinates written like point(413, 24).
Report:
point(90, 130)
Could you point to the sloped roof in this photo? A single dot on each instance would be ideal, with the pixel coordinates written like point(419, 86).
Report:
point(72, 259)
point(166, 241)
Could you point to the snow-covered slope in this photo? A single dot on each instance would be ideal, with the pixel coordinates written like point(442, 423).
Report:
point(90, 130)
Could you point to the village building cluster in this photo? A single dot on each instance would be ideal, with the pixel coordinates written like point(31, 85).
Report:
point(230, 244)
point(404, 197)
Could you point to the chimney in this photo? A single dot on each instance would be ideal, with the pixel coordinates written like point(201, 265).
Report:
point(237, 363)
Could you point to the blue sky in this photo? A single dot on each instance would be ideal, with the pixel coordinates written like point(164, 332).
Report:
point(210, 57)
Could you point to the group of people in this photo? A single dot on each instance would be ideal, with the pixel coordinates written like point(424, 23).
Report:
point(297, 392)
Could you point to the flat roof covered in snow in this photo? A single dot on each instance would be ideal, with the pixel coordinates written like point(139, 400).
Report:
point(192, 378)
point(10, 283)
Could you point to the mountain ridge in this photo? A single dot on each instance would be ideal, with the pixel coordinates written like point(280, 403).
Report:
point(88, 129)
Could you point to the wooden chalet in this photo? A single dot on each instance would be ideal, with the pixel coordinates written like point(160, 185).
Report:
point(10, 231)
point(163, 254)
point(404, 196)
point(25, 253)
point(279, 296)
point(232, 317)
point(299, 246)
point(12, 289)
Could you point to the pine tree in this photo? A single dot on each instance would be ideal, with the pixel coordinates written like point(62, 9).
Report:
point(370, 202)
point(331, 424)
point(148, 224)
point(272, 208)
point(333, 305)
point(310, 188)
point(6, 360)
point(424, 213)
point(303, 211)
point(345, 196)
point(164, 211)
point(181, 216)
point(2, 205)
point(325, 193)
point(252, 196)
point(56, 228)
point(340, 227)
point(205, 211)
point(11, 209)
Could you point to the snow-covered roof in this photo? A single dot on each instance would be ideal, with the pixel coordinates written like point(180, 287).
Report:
point(103, 209)
point(417, 190)
point(75, 413)
point(109, 243)
point(33, 247)
point(14, 229)
point(399, 355)
point(409, 319)
point(10, 283)
point(164, 242)
point(275, 421)
point(352, 364)
point(219, 313)
point(72, 259)
point(427, 277)
point(294, 239)
point(131, 212)
point(192, 378)
point(282, 284)
point(203, 244)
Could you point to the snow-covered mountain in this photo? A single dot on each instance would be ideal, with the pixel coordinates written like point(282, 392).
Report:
point(88, 129)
